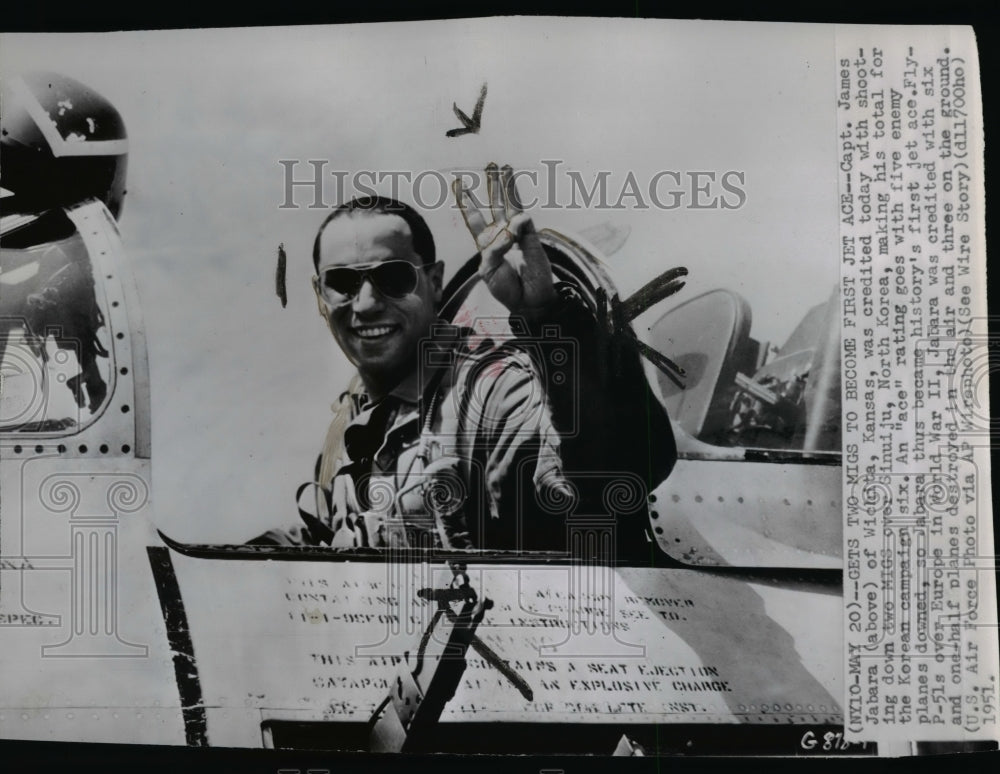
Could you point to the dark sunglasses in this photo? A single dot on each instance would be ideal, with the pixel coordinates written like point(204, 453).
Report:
point(394, 279)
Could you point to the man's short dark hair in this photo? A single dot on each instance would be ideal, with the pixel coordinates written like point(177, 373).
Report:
point(423, 241)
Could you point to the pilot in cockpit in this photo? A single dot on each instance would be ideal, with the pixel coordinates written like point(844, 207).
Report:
point(449, 438)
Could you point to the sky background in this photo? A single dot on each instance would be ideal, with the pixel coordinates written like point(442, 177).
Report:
point(241, 388)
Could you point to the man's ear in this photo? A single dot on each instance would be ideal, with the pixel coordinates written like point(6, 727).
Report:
point(435, 274)
point(320, 304)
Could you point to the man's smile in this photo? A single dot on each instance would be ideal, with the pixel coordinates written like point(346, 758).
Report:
point(373, 331)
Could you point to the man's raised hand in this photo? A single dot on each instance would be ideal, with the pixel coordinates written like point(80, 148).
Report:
point(514, 265)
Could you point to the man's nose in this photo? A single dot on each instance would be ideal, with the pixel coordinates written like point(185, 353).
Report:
point(367, 299)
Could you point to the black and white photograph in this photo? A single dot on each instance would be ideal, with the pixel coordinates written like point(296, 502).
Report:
point(505, 386)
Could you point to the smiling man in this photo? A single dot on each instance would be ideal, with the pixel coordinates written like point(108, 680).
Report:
point(448, 438)
point(378, 284)
point(444, 440)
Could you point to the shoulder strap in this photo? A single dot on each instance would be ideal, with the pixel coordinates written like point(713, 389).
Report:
point(334, 443)
point(320, 524)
